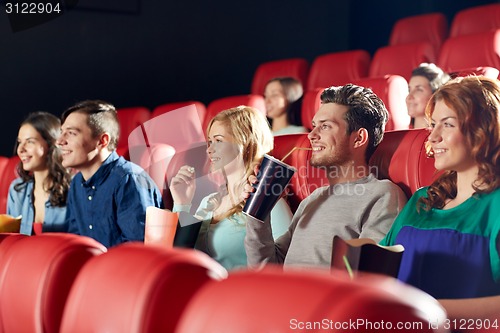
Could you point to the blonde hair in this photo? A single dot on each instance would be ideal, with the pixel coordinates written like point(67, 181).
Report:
point(251, 131)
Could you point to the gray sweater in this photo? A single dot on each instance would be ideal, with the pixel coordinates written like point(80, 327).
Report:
point(362, 209)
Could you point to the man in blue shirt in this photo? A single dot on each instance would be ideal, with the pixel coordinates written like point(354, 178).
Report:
point(108, 197)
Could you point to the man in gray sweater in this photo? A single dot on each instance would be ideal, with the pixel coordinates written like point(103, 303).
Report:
point(346, 130)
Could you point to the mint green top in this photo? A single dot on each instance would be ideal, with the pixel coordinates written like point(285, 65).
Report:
point(224, 241)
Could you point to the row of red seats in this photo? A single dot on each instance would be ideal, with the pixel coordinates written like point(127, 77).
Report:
point(387, 73)
point(425, 38)
point(401, 157)
point(338, 68)
point(392, 89)
point(68, 283)
point(332, 69)
point(413, 40)
point(433, 27)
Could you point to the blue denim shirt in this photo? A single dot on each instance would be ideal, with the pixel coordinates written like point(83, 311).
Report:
point(21, 203)
point(111, 206)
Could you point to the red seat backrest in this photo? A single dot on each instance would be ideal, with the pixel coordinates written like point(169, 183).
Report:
point(155, 161)
point(6, 241)
point(9, 173)
point(476, 19)
point(456, 52)
point(3, 162)
point(294, 67)
point(338, 68)
point(178, 128)
point(392, 90)
point(310, 105)
point(129, 119)
point(401, 59)
point(36, 274)
point(137, 288)
point(489, 72)
point(430, 27)
point(224, 103)
point(168, 107)
point(401, 157)
point(295, 300)
point(306, 178)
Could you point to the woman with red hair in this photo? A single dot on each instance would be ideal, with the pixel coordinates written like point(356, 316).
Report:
point(451, 229)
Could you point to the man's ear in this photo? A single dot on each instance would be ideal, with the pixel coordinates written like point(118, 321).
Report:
point(104, 139)
point(361, 138)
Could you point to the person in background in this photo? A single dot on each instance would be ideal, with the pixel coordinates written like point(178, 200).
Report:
point(108, 196)
point(283, 97)
point(237, 140)
point(39, 194)
point(451, 229)
point(347, 128)
point(424, 81)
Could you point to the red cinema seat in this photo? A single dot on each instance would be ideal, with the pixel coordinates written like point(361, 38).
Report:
point(155, 161)
point(9, 173)
point(224, 103)
point(306, 178)
point(401, 59)
point(430, 27)
point(489, 72)
point(310, 105)
point(136, 288)
point(36, 275)
point(402, 158)
point(129, 119)
point(3, 163)
point(476, 19)
point(477, 50)
point(179, 128)
point(392, 90)
point(338, 68)
point(294, 67)
point(306, 300)
point(169, 107)
point(4, 160)
point(6, 241)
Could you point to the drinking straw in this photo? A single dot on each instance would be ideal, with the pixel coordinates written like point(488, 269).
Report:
point(294, 149)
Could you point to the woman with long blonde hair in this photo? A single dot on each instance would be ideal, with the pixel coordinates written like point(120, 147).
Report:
point(237, 139)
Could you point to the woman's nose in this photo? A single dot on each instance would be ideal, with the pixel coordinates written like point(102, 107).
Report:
point(435, 135)
point(210, 149)
point(409, 97)
point(20, 147)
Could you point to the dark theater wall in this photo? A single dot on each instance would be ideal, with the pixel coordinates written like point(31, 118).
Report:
point(170, 51)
